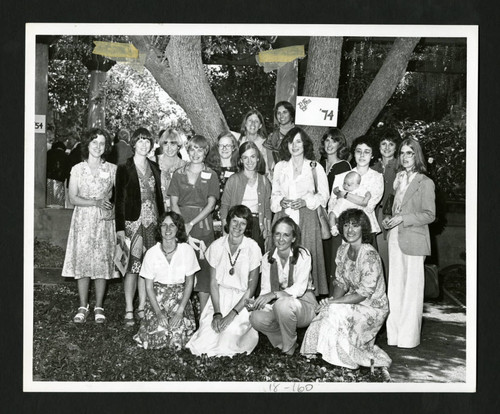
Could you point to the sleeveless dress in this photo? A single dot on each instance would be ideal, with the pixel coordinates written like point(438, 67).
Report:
point(91, 239)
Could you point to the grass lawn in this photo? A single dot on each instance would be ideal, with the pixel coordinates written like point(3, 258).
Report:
point(65, 351)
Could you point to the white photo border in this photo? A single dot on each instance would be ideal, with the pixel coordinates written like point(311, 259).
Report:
point(469, 32)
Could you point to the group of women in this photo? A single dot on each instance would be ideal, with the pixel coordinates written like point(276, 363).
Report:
point(268, 266)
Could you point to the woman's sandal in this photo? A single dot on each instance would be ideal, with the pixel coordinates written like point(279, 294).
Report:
point(99, 317)
point(82, 314)
point(140, 314)
point(129, 321)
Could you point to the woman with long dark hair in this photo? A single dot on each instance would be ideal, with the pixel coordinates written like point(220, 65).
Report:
point(334, 152)
point(253, 129)
point(294, 195)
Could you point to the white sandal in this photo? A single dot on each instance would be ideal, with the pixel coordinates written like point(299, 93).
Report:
point(99, 317)
point(82, 314)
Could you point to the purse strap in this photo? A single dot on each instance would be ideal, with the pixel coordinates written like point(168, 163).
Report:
point(315, 176)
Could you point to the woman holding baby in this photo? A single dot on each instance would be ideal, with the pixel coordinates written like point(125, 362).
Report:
point(367, 195)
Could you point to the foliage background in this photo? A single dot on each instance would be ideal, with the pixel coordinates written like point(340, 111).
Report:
point(429, 105)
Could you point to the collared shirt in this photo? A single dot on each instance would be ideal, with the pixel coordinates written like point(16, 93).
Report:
point(285, 186)
point(302, 279)
point(248, 259)
point(183, 263)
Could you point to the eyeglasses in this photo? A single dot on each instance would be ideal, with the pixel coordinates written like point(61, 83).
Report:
point(171, 143)
point(408, 154)
point(226, 146)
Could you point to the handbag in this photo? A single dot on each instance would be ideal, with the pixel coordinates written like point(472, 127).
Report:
point(324, 222)
point(387, 207)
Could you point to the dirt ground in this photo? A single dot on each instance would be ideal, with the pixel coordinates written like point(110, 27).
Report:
point(441, 354)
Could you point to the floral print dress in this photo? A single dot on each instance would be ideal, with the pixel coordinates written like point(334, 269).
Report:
point(344, 334)
point(91, 239)
point(141, 232)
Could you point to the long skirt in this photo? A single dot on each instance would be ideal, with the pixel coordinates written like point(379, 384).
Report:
point(405, 292)
point(237, 338)
point(153, 336)
point(311, 239)
point(345, 335)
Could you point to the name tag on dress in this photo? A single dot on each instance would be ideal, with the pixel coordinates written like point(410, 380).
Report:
point(228, 174)
point(103, 174)
point(206, 175)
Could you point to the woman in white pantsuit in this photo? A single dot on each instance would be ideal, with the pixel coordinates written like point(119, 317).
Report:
point(409, 243)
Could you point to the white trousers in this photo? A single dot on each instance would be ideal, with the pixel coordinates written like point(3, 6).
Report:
point(405, 292)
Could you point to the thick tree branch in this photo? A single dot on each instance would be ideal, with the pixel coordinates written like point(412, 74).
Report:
point(381, 89)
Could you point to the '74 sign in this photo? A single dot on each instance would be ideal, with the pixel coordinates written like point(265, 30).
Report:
point(316, 111)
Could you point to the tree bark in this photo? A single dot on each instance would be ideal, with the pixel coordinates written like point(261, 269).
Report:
point(322, 75)
point(183, 77)
point(381, 89)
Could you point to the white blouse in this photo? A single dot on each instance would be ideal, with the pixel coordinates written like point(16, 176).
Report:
point(302, 279)
point(373, 182)
point(249, 258)
point(285, 186)
point(183, 263)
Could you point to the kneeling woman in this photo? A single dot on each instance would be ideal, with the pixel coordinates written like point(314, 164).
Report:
point(286, 301)
point(234, 261)
point(344, 331)
point(169, 269)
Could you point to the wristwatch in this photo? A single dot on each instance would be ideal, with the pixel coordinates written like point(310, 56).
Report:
point(345, 195)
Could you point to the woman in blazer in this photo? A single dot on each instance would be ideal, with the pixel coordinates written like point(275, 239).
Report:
point(139, 203)
point(409, 242)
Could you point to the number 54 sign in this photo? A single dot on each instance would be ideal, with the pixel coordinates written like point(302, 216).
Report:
point(315, 111)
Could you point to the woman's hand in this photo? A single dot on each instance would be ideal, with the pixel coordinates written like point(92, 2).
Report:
point(162, 319)
point(120, 235)
point(285, 203)
point(188, 228)
point(393, 222)
point(263, 300)
point(176, 319)
point(216, 323)
point(104, 203)
point(297, 204)
point(226, 320)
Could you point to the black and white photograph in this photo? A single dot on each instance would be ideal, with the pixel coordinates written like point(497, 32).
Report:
point(250, 208)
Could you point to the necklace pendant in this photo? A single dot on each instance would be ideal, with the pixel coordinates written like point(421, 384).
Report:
point(231, 271)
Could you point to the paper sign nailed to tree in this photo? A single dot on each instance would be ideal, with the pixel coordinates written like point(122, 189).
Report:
point(314, 111)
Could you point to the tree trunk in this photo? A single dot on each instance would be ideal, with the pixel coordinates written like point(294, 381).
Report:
point(381, 89)
point(322, 75)
point(183, 77)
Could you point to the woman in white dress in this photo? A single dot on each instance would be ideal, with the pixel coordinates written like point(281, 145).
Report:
point(293, 195)
point(91, 239)
point(234, 260)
